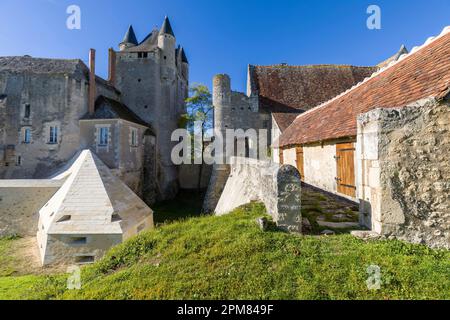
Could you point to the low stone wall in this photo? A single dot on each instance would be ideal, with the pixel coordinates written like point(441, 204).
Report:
point(278, 187)
point(20, 201)
point(189, 176)
point(404, 169)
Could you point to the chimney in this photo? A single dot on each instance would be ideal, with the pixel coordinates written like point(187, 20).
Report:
point(92, 83)
point(112, 67)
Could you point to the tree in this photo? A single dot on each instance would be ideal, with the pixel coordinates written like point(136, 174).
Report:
point(199, 108)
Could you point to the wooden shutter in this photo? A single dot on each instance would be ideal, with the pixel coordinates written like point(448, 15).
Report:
point(345, 161)
point(300, 165)
point(281, 156)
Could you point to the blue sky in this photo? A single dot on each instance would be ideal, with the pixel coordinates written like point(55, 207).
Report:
point(224, 36)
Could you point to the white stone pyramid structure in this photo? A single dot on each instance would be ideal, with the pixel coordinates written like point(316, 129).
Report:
point(92, 211)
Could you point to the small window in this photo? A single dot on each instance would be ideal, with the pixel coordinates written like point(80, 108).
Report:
point(134, 140)
point(53, 138)
point(27, 135)
point(64, 218)
point(116, 218)
point(27, 112)
point(78, 240)
point(19, 161)
point(103, 136)
point(145, 55)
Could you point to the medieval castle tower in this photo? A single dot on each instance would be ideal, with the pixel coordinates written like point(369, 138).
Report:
point(152, 76)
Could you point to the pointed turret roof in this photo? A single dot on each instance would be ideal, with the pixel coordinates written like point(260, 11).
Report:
point(166, 27)
point(130, 36)
point(183, 55)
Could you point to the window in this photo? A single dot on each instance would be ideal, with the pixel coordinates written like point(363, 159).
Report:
point(142, 55)
point(19, 161)
point(116, 218)
point(84, 259)
point(53, 135)
point(103, 136)
point(27, 112)
point(134, 139)
point(27, 135)
point(64, 218)
point(78, 240)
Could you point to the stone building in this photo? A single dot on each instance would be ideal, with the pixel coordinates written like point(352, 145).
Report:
point(52, 109)
point(275, 96)
point(153, 78)
point(47, 105)
point(92, 211)
point(385, 143)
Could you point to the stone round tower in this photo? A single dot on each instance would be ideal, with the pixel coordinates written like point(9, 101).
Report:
point(167, 42)
point(222, 102)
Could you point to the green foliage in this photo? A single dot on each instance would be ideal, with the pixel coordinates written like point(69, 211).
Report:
point(199, 107)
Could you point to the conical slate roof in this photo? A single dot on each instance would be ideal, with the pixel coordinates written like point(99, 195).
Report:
point(166, 27)
point(130, 36)
point(92, 201)
point(183, 55)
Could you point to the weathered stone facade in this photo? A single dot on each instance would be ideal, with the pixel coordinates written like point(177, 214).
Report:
point(278, 187)
point(153, 77)
point(404, 161)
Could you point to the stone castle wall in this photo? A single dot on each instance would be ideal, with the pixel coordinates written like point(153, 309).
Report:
point(404, 164)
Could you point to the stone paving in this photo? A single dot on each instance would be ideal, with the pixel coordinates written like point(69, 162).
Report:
point(327, 214)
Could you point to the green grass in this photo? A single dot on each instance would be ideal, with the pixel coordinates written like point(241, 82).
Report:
point(8, 261)
point(229, 257)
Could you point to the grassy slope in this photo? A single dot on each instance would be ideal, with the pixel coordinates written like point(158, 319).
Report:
point(230, 258)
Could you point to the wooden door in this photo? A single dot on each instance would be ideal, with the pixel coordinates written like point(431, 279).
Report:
point(345, 161)
point(300, 166)
point(281, 156)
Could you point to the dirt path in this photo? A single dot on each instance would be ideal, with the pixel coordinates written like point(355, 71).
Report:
point(20, 256)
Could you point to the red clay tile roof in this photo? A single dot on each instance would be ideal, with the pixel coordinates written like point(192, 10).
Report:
point(422, 74)
point(304, 87)
point(283, 115)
